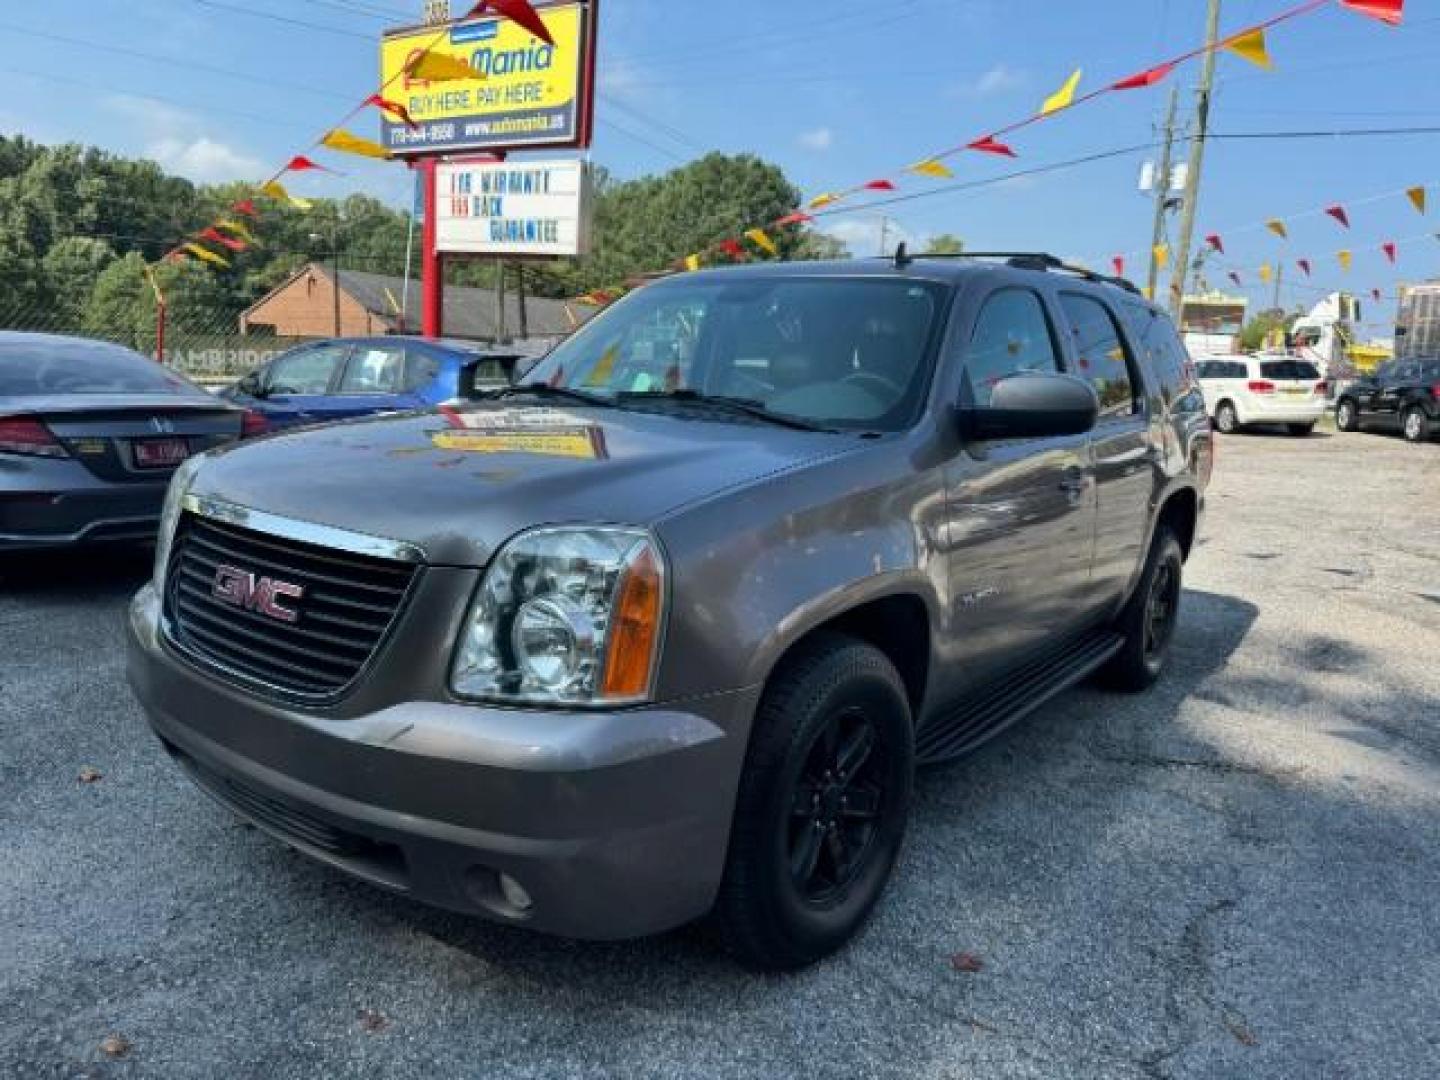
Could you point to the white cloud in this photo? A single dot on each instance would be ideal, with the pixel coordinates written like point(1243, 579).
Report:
point(862, 235)
point(203, 160)
point(819, 139)
point(178, 141)
point(994, 81)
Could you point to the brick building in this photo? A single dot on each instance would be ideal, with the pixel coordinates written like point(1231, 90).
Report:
point(304, 306)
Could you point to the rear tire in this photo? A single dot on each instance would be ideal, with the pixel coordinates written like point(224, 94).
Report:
point(1347, 416)
point(1227, 421)
point(822, 806)
point(1148, 621)
point(1300, 430)
point(1415, 425)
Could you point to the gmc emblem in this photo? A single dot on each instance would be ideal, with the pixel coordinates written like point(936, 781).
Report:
point(242, 589)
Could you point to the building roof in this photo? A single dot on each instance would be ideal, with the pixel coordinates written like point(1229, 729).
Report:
point(469, 312)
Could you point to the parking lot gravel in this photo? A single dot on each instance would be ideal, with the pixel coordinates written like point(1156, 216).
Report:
point(1236, 874)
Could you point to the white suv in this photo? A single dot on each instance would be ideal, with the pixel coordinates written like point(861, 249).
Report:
point(1241, 390)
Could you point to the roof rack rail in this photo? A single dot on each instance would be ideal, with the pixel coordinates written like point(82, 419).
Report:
point(1024, 260)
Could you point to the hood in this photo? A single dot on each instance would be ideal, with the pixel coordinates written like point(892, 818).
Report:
point(460, 482)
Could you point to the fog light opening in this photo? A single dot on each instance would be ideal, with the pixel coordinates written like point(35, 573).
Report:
point(515, 894)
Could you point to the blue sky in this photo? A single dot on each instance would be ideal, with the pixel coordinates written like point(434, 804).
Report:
point(835, 91)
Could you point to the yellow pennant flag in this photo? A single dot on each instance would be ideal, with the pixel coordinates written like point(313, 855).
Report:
point(1162, 255)
point(276, 191)
point(823, 199)
point(692, 263)
point(1148, 293)
point(441, 67)
point(1265, 272)
point(347, 143)
point(236, 228)
point(1062, 98)
point(759, 238)
point(1277, 226)
point(1417, 198)
point(1251, 46)
point(932, 167)
point(206, 254)
point(1345, 259)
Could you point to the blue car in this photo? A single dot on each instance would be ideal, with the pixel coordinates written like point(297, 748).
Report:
point(348, 377)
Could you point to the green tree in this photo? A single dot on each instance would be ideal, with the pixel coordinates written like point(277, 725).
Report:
point(945, 244)
point(121, 306)
point(1254, 332)
point(71, 268)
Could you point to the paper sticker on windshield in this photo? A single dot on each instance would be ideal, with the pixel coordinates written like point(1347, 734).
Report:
point(581, 442)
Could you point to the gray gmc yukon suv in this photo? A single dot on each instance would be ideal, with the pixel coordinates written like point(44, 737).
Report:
point(666, 629)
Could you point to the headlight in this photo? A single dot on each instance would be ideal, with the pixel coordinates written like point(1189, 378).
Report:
point(170, 516)
point(565, 616)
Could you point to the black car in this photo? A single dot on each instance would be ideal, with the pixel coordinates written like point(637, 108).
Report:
point(1403, 394)
point(89, 435)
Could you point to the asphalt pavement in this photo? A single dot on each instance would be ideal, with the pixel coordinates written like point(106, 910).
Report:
point(1236, 874)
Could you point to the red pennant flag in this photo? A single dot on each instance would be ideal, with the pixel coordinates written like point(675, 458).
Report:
point(1338, 213)
point(1118, 262)
point(797, 218)
point(216, 236)
point(879, 185)
point(1215, 242)
point(1389, 248)
point(1376, 294)
point(517, 11)
point(1387, 11)
point(301, 163)
point(733, 249)
point(1304, 265)
point(990, 145)
point(1145, 78)
point(1236, 279)
point(394, 108)
point(246, 207)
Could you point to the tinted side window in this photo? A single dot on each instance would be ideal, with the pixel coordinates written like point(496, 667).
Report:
point(1289, 369)
point(1154, 335)
point(374, 370)
point(1101, 354)
point(307, 372)
point(420, 371)
point(1011, 335)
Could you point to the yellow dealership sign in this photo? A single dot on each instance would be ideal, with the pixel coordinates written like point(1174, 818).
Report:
point(532, 94)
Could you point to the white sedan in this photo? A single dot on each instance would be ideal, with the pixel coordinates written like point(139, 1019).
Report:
point(1264, 389)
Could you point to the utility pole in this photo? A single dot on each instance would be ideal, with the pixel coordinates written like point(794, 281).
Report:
point(1279, 277)
point(1162, 190)
point(884, 235)
point(1197, 158)
point(520, 296)
point(500, 330)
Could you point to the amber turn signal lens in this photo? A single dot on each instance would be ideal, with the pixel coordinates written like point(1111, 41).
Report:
point(635, 630)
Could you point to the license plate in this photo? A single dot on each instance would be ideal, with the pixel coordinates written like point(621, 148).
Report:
point(1298, 391)
point(160, 453)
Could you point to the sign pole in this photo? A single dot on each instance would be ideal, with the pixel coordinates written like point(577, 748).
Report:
point(432, 263)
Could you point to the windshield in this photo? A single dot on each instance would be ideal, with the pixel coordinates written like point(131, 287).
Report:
point(841, 352)
point(30, 367)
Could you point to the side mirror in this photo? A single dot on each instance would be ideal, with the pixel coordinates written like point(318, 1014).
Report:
point(250, 385)
point(1033, 405)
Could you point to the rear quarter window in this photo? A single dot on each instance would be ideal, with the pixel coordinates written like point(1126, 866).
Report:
point(1161, 351)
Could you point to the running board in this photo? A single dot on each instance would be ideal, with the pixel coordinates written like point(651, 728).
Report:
point(950, 736)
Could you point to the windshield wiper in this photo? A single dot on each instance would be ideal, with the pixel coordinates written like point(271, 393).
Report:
point(539, 389)
point(743, 406)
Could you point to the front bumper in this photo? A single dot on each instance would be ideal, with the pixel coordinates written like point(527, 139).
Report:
point(615, 823)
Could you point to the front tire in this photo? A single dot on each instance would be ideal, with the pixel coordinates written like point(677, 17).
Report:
point(822, 806)
point(1414, 425)
point(1300, 430)
point(1347, 416)
point(1149, 619)
point(1227, 420)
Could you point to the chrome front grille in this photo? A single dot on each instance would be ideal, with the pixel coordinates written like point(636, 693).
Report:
point(312, 645)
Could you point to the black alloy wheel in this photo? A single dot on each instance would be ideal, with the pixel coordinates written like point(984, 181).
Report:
point(1161, 608)
point(823, 802)
point(837, 803)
